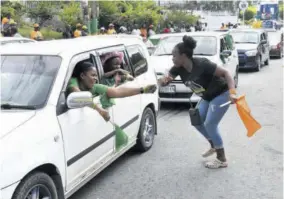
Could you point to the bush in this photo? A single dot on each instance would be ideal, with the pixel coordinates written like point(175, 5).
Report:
point(180, 18)
point(47, 33)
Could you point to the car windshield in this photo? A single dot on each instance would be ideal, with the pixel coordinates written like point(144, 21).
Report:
point(274, 38)
point(245, 37)
point(27, 80)
point(205, 45)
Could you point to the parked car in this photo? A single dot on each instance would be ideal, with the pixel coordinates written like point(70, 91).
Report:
point(15, 40)
point(49, 148)
point(276, 44)
point(211, 45)
point(253, 48)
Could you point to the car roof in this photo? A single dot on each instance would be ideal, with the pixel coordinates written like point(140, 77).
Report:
point(199, 33)
point(69, 46)
point(248, 30)
point(14, 39)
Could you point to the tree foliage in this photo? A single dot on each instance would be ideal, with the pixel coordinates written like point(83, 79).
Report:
point(249, 13)
point(178, 17)
point(70, 13)
point(15, 8)
point(129, 12)
point(43, 10)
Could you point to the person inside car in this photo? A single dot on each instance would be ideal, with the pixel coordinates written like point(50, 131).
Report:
point(113, 74)
point(85, 78)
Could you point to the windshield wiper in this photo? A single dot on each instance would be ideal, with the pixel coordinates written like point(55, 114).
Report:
point(15, 106)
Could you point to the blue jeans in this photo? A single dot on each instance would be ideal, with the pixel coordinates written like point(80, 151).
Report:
point(211, 113)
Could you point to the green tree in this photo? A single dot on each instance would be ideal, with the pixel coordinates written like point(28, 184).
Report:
point(129, 12)
point(70, 13)
point(249, 13)
point(43, 10)
point(15, 8)
point(179, 18)
point(281, 9)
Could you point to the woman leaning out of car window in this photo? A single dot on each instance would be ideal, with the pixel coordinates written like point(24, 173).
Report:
point(85, 78)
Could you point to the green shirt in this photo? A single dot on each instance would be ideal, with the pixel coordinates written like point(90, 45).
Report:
point(97, 90)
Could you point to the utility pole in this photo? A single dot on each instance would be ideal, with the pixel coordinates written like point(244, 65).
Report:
point(94, 17)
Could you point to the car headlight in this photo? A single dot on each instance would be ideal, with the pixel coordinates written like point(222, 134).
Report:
point(251, 53)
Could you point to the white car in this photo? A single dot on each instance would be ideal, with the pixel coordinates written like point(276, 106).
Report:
point(15, 40)
point(49, 149)
point(211, 45)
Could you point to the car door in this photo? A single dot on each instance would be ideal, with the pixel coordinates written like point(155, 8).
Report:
point(264, 47)
point(126, 111)
point(88, 139)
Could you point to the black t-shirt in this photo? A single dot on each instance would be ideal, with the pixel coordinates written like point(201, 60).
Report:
point(201, 80)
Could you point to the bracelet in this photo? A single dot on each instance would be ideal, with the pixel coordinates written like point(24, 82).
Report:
point(233, 91)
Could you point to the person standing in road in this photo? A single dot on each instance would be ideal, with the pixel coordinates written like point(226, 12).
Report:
point(78, 31)
point(36, 34)
point(214, 85)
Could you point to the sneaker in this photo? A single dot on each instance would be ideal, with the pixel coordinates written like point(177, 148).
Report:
point(208, 153)
point(216, 164)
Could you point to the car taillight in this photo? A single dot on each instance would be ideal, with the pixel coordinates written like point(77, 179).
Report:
point(278, 46)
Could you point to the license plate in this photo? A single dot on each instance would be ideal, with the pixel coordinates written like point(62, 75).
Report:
point(168, 89)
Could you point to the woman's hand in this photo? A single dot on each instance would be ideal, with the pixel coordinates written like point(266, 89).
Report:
point(150, 89)
point(123, 72)
point(129, 77)
point(165, 80)
point(233, 95)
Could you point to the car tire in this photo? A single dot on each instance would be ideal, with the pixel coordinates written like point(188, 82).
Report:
point(236, 78)
point(267, 62)
point(258, 63)
point(34, 183)
point(147, 131)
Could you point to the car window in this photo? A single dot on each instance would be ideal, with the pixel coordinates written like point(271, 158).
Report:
point(205, 45)
point(223, 45)
point(137, 59)
point(27, 79)
point(245, 37)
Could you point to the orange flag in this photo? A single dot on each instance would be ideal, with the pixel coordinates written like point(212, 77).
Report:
point(245, 114)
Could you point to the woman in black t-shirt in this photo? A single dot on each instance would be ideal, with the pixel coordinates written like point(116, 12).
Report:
point(214, 85)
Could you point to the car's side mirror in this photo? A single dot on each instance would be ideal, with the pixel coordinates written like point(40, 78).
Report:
point(79, 99)
point(263, 41)
point(151, 50)
point(226, 53)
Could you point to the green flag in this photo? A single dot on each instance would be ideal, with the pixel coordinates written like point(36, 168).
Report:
point(121, 138)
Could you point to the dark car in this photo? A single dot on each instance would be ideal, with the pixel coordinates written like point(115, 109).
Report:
point(252, 46)
point(276, 44)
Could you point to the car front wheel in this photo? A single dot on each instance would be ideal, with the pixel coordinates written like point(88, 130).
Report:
point(147, 131)
point(37, 185)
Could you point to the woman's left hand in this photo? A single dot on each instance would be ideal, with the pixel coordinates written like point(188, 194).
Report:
point(233, 98)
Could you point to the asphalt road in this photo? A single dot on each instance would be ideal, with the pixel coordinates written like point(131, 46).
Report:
point(173, 168)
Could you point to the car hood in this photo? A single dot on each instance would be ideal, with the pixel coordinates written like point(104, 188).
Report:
point(10, 120)
point(246, 47)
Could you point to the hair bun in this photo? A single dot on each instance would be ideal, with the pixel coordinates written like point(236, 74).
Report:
point(189, 42)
